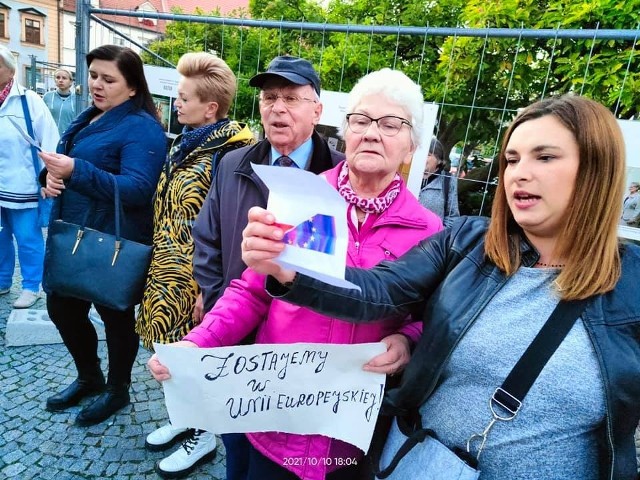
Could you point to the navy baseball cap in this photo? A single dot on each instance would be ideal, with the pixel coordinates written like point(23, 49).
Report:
point(294, 69)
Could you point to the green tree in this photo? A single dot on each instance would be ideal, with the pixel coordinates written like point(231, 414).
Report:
point(479, 82)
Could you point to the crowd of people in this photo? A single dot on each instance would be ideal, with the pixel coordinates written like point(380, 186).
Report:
point(213, 280)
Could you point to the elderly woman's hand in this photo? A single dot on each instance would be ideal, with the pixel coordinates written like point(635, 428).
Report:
point(157, 369)
point(262, 243)
point(394, 359)
point(58, 165)
point(54, 187)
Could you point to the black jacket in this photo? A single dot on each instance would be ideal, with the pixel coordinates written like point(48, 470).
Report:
point(434, 280)
point(217, 232)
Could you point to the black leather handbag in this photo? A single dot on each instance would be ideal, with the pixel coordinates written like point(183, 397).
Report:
point(98, 267)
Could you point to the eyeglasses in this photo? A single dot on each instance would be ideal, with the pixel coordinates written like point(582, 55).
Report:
point(388, 125)
point(269, 98)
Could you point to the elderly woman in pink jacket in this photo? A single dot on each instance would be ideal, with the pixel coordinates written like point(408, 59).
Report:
point(381, 132)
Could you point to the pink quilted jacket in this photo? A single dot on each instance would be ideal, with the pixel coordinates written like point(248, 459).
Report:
point(246, 306)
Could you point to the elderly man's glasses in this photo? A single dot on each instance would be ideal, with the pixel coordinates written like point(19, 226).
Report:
point(269, 98)
point(388, 125)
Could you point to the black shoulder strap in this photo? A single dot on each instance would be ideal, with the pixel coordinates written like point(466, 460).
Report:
point(524, 373)
point(513, 390)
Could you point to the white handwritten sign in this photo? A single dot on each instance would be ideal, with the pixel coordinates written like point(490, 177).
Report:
point(303, 388)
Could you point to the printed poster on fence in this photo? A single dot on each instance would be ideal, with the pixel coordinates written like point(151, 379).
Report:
point(163, 85)
point(303, 388)
point(631, 133)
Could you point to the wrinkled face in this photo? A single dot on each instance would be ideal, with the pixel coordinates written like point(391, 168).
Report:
point(5, 74)
point(190, 109)
point(63, 81)
point(371, 153)
point(289, 126)
point(107, 85)
point(542, 165)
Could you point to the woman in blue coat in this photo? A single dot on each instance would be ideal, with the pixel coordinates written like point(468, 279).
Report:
point(116, 140)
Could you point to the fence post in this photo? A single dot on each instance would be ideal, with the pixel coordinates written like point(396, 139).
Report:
point(33, 74)
point(83, 11)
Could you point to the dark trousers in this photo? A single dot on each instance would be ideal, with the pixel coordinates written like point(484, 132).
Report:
point(71, 318)
point(246, 463)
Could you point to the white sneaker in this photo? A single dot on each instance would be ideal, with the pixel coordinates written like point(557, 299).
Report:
point(5, 290)
point(165, 437)
point(197, 449)
point(26, 299)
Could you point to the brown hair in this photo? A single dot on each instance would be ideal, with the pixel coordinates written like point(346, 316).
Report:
point(596, 201)
point(130, 66)
point(215, 82)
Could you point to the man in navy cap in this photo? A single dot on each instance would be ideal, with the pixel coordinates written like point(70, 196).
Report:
point(290, 108)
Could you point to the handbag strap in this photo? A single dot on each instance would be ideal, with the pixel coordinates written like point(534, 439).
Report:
point(118, 207)
point(118, 210)
point(27, 119)
point(510, 394)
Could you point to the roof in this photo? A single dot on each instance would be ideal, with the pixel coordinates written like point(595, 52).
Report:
point(161, 6)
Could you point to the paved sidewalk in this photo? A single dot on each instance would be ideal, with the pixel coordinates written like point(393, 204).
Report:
point(36, 444)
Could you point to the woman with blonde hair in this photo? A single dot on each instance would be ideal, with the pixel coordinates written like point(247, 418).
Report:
point(62, 101)
point(552, 238)
point(205, 92)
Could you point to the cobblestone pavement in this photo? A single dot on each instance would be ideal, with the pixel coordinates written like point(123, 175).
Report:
point(36, 444)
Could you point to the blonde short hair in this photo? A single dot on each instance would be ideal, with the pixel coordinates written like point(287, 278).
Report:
point(65, 70)
point(214, 80)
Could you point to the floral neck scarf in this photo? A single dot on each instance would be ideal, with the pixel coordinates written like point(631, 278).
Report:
point(5, 91)
point(368, 205)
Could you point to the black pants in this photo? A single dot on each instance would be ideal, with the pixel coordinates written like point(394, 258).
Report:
point(71, 317)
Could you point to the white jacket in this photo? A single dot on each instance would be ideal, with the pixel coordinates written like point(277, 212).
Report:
point(18, 184)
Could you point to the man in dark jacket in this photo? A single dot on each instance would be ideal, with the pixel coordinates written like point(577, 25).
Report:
point(290, 108)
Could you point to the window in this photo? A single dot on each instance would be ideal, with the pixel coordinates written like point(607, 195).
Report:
point(32, 31)
point(4, 20)
point(32, 23)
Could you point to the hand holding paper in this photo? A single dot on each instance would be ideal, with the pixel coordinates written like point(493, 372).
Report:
point(313, 217)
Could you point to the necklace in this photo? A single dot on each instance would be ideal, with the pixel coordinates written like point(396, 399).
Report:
point(551, 265)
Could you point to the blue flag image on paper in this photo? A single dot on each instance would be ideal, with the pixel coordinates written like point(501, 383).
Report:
point(318, 233)
point(314, 218)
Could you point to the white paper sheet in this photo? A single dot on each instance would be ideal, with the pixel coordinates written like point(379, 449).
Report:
point(296, 196)
point(303, 388)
